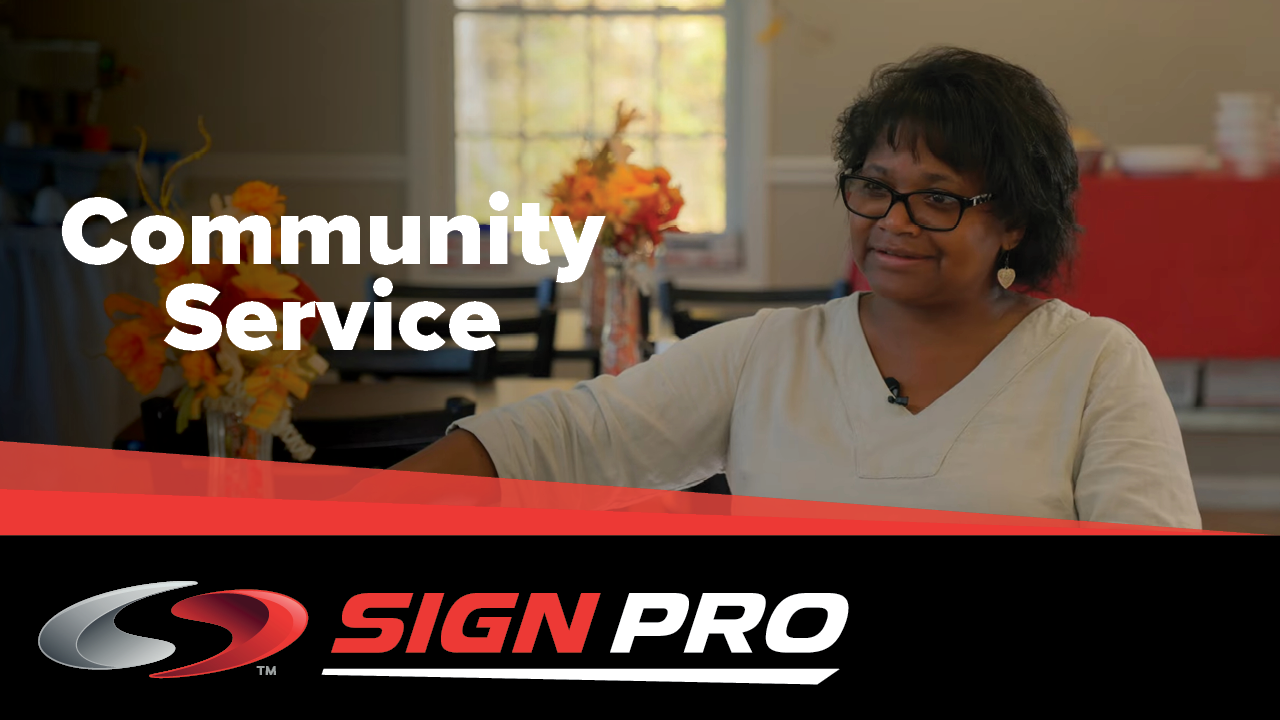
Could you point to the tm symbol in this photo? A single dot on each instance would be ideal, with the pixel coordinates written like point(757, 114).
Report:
point(266, 669)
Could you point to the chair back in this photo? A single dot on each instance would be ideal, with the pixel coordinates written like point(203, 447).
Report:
point(478, 366)
point(674, 300)
point(544, 293)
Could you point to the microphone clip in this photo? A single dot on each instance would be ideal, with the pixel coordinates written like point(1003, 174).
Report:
point(895, 388)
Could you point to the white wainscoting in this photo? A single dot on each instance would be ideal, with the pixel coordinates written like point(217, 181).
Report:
point(801, 170)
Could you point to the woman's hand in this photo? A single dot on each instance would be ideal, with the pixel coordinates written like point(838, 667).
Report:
point(459, 454)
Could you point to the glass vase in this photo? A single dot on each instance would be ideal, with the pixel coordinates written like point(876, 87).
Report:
point(230, 437)
point(593, 297)
point(620, 341)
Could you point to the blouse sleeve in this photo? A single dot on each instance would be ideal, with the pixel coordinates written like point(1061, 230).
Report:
point(1132, 466)
point(663, 424)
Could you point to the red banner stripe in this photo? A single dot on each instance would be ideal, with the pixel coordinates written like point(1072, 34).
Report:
point(49, 490)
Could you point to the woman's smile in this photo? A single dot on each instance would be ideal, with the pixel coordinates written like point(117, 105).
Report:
point(894, 257)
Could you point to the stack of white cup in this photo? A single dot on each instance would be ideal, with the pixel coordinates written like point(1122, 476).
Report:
point(1246, 128)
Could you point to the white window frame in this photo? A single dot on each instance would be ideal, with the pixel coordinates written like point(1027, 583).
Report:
point(429, 143)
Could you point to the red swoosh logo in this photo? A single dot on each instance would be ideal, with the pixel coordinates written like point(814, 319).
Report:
point(261, 624)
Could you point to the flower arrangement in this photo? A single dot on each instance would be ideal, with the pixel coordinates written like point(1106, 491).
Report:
point(639, 204)
point(256, 386)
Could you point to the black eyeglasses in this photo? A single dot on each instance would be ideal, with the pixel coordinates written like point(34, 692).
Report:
point(932, 210)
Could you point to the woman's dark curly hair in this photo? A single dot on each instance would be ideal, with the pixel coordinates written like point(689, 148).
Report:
point(987, 118)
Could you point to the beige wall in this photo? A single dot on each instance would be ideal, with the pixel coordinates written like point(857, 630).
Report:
point(327, 76)
point(288, 77)
point(280, 76)
point(1133, 71)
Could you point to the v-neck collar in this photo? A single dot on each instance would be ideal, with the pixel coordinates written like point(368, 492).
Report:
point(890, 441)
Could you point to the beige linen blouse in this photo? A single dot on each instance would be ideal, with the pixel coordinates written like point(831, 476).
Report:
point(1067, 418)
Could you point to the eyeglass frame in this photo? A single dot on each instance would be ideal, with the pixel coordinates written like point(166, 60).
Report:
point(895, 197)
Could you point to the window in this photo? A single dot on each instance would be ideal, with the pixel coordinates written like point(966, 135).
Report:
point(535, 83)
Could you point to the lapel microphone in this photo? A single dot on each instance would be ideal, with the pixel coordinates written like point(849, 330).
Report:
point(895, 388)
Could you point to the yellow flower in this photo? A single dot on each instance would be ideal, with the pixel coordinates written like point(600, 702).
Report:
point(259, 198)
point(267, 386)
point(201, 372)
point(293, 375)
point(138, 351)
point(266, 282)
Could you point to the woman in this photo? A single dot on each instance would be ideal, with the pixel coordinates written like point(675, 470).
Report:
point(958, 173)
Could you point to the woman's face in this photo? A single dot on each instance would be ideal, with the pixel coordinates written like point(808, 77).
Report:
point(938, 267)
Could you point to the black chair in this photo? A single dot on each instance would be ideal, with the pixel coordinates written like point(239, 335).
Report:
point(368, 442)
point(672, 299)
point(714, 485)
point(478, 366)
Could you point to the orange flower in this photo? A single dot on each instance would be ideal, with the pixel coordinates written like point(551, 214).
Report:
point(198, 367)
point(265, 282)
point(618, 196)
point(130, 305)
point(137, 351)
point(246, 240)
point(168, 284)
point(259, 198)
point(136, 347)
point(168, 273)
point(216, 273)
point(572, 195)
point(635, 201)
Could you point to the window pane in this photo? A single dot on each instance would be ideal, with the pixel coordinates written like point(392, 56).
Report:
point(625, 69)
point(697, 168)
point(487, 80)
point(556, 79)
point(691, 75)
point(543, 162)
point(536, 91)
point(644, 152)
point(483, 168)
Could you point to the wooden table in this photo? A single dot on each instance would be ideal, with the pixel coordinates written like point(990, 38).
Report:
point(357, 400)
point(353, 400)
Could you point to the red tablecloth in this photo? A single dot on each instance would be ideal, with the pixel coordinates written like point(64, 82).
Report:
point(1190, 264)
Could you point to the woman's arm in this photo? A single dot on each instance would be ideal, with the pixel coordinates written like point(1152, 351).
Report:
point(663, 424)
point(1132, 467)
point(458, 453)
